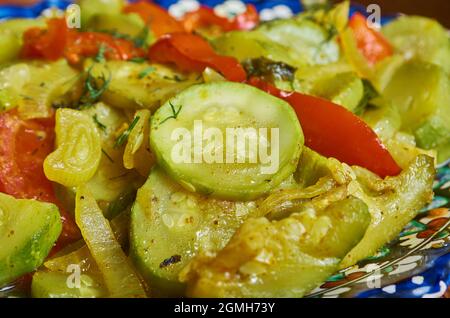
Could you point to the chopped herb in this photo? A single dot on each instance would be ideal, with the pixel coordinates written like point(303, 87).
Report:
point(174, 113)
point(116, 34)
point(100, 57)
point(107, 156)
point(138, 60)
point(93, 88)
point(140, 40)
point(369, 93)
point(146, 71)
point(99, 124)
point(124, 136)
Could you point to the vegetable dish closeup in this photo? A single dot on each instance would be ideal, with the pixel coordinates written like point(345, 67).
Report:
point(147, 155)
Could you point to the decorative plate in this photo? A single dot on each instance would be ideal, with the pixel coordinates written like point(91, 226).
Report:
point(415, 264)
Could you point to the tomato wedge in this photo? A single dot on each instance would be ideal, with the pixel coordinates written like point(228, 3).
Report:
point(205, 17)
point(24, 146)
point(87, 44)
point(371, 43)
point(192, 53)
point(159, 20)
point(333, 131)
point(59, 41)
point(46, 43)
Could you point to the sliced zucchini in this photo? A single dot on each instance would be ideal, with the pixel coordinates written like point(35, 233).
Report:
point(345, 89)
point(170, 225)
point(250, 45)
point(10, 45)
point(392, 202)
point(46, 284)
point(310, 41)
point(141, 85)
point(91, 8)
point(28, 230)
point(420, 38)
point(285, 258)
point(227, 161)
point(47, 84)
point(383, 118)
point(421, 92)
point(128, 26)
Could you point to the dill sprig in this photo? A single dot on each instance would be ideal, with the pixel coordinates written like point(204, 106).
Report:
point(107, 156)
point(146, 71)
point(99, 124)
point(124, 136)
point(139, 41)
point(174, 113)
point(94, 87)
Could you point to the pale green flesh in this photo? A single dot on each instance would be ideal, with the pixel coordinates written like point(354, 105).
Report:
point(168, 221)
point(25, 244)
point(225, 105)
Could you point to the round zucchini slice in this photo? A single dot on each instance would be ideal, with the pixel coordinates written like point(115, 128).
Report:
point(228, 140)
point(170, 225)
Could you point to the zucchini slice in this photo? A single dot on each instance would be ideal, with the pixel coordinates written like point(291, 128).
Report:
point(141, 85)
point(312, 43)
point(28, 229)
point(170, 225)
point(228, 140)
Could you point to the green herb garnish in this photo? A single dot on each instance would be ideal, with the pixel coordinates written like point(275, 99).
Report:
point(99, 124)
point(124, 136)
point(93, 88)
point(138, 60)
point(107, 156)
point(174, 113)
point(100, 57)
point(146, 71)
point(140, 41)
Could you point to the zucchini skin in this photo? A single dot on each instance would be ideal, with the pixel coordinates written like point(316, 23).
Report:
point(26, 244)
point(285, 258)
point(256, 109)
point(170, 225)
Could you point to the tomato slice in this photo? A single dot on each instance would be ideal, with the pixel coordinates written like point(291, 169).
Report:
point(86, 44)
point(24, 146)
point(371, 43)
point(333, 131)
point(205, 17)
point(46, 43)
point(159, 20)
point(59, 41)
point(192, 53)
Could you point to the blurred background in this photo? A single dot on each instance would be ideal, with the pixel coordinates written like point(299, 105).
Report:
point(438, 9)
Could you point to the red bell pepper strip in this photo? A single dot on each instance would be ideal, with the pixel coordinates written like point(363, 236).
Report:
point(371, 43)
point(159, 20)
point(333, 131)
point(87, 44)
point(205, 17)
point(25, 144)
point(192, 53)
point(59, 41)
point(47, 43)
